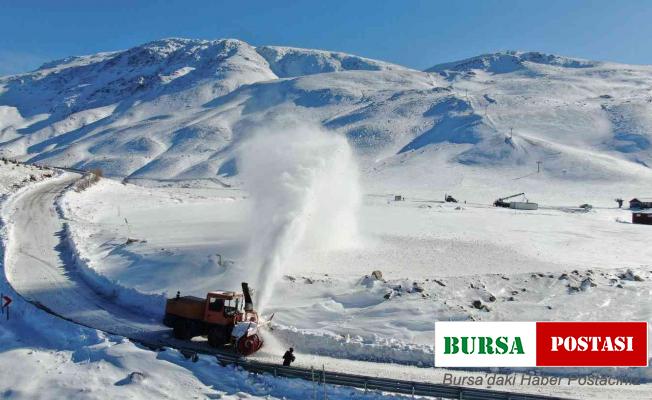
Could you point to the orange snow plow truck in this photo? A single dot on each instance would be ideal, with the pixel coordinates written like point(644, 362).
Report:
point(225, 318)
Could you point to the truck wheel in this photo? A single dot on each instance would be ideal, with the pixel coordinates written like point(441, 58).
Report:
point(182, 330)
point(217, 337)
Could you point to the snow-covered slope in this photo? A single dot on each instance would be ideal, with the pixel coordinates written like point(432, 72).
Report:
point(288, 61)
point(510, 61)
point(178, 108)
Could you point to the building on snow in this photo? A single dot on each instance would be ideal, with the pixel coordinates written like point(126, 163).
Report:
point(640, 203)
point(642, 217)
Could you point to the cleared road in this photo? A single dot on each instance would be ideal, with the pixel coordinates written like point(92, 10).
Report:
point(39, 267)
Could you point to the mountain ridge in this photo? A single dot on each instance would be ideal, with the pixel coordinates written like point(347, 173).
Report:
point(178, 108)
point(512, 60)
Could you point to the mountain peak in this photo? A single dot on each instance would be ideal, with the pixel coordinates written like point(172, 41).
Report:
point(204, 69)
point(178, 108)
point(294, 61)
point(510, 61)
point(155, 50)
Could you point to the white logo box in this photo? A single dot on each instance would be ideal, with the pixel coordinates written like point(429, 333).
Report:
point(527, 331)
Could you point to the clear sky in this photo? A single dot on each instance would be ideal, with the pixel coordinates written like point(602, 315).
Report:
point(414, 33)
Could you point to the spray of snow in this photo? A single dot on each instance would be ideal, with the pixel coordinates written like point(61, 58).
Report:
point(303, 183)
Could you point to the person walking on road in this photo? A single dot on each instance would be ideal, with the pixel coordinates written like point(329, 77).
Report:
point(288, 357)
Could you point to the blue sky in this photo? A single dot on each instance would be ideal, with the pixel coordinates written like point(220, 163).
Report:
point(414, 33)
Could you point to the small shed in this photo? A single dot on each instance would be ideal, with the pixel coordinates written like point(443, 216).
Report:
point(398, 197)
point(640, 203)
point(644, 217)
point(523, 205)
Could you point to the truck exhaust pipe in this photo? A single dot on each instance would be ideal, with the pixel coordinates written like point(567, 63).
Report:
point(249, 304)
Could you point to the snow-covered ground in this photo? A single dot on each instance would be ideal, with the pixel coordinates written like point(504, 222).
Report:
point(280, 165)
point(436, 259)
point(69, 360)
point(43, 356)
point(66, 359)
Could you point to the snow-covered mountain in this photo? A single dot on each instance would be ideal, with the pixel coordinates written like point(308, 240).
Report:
point(510, 61)
point(178, 108)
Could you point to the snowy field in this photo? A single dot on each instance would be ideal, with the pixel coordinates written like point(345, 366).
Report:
point(279, 166)
point(436, 259)
point(42, 356)
point(51, 358)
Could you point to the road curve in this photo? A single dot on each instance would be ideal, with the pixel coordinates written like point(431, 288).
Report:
point(39, 267)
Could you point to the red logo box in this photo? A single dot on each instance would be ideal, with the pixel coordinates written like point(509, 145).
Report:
point(592, 344)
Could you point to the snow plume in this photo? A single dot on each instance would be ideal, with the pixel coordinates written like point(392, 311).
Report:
point(303, 183)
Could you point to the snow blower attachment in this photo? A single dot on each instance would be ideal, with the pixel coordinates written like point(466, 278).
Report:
point(225, 318)
point(248, 304)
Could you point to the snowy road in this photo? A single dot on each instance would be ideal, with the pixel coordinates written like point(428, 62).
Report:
point(39, 267)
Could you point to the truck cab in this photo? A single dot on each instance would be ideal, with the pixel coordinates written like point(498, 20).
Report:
point(223, 308)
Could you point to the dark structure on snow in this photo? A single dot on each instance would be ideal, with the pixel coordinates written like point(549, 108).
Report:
point(642, 218)
point(640, 203)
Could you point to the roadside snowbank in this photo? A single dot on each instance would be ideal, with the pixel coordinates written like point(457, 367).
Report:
point(44, 356)
point(151, 304)
point(324, 306)
point(376, 348)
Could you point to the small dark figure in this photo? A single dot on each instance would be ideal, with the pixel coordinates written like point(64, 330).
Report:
point(288, 357)
point(620, 203)
point(178, 295)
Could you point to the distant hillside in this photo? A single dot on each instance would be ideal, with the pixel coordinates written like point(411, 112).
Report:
point(510, 61)
point(178, 108)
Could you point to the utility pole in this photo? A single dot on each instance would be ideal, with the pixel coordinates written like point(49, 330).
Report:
point(314, 384)
point(539, 166)
point(128, 228)
point(323, 371)
point(511, 132)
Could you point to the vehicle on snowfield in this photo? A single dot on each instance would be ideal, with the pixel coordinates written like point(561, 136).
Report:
point(516, 205)
point(222, 317)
